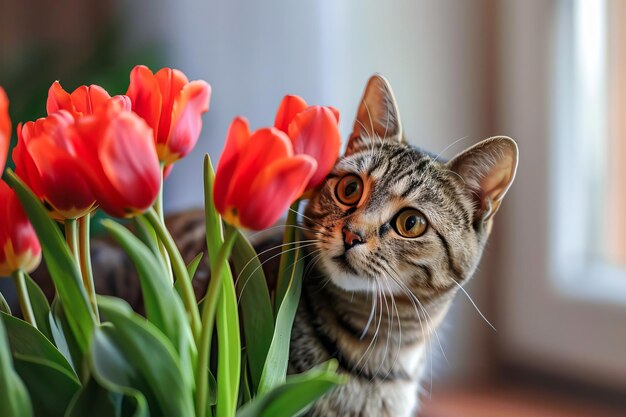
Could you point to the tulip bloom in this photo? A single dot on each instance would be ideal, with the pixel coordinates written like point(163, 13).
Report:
point(19, 247)
point(47, 161)
point(5, 129)
point(83, 101)
point(172, 106)
point(258, 176)
point(118, 159)
point(313, 131)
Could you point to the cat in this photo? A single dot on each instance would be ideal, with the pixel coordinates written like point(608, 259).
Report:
point(395, 233)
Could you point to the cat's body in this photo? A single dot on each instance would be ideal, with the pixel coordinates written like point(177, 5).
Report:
point(395, 233)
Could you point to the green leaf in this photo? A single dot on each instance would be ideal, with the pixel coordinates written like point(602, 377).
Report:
point(296, 395)
point(40, 305)
point(227, 314)
point(153, 355)
point(14, 399)
point(147, 235)
point(113, 371)
point(275, 368)
point(255, 306)
point(288, 257)
point(50, 386)
point(229, 348)
point(60, 263)
point(163, 307)
point(28, 342)
point(64, 338)
point(193, 265)
point(94, 401)
point(4, 306)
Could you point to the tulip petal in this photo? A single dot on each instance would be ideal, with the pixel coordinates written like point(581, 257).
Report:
point(145, 96)
point(171, 82)
point(264, 147)
point(66, 189)
point(25, 166)
point(314, 132)
point(192, 101)
point(274, 189)
point(236, 139)
point(86, 100)
point(59, 99)
point(5, 129)
point(289, 107)
point(19, 247)
point(131, 164)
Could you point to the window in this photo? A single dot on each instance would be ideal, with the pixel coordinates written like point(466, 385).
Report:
point(588, 195)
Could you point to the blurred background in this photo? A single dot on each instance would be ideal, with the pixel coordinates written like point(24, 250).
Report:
point(549, 73)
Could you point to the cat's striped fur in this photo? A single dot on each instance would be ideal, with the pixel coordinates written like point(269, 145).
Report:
point(374, 307)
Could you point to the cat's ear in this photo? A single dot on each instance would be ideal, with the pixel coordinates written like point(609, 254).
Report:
point(378, 117)
point(488, 169)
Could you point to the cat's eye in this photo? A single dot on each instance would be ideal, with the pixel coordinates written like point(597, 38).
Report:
point(349, 189)
point(410, 223)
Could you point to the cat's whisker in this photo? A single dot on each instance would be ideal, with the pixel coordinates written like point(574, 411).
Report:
point(263, 263)
point(269, 250)
point(281, 226)
point(378, 295)
point(475, 306)
point(309, 219)
point(370, 318)
point(450, 145)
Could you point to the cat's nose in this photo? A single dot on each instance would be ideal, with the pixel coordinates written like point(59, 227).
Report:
point(351, 238)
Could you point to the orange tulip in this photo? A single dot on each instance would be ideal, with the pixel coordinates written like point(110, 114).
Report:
point(83, 101)
point(313, 131)
point(47, 161)
point(19, 247)
point(258, 176)
point(5, 129)
point(172, 106)
point(118, 159)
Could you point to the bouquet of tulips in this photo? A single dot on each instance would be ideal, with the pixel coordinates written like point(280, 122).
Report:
point(226, 354)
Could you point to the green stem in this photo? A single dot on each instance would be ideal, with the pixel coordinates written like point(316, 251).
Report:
point(208, 320)
point(71, 237)
point(85, 262)
point(179, 268)
point(287, 256)
point(22, 293)
point(158, 207)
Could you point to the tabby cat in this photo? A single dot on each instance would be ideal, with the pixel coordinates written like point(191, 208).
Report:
point(392, 235)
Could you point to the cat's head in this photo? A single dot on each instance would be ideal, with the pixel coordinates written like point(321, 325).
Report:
point(391, 217)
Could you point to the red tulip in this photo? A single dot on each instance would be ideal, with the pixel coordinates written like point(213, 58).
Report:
point(47, 161)
point(172, 106)
point(313, 131)
point(19, 247)
point(118, 159)
point(83, 101)
point(258, 176)
point(5, 129)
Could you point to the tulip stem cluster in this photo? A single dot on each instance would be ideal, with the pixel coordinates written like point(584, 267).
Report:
point(158, 207)
point(71, 237)
point(24, 299)
point(179, 268)
point(208, 317)
point(85, 261)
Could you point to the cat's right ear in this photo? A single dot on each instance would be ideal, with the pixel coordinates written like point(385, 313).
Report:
point(378, 117)
point(488, 170)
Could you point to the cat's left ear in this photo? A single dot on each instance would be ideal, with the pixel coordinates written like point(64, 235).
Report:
point(488, 169)
point(378, 117)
